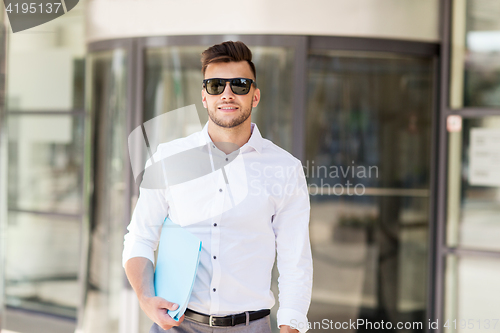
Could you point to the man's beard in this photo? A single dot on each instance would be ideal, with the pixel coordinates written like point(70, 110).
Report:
point(242, 117)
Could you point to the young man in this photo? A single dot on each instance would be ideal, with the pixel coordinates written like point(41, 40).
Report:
point(261, 207)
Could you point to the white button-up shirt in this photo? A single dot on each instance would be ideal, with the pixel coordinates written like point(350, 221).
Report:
point(244, 212)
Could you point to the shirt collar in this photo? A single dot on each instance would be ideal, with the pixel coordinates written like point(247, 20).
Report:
point(255, 140)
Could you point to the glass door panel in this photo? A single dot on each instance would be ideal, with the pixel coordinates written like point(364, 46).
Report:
point(480, 66)
point(474, 185)
point(108, 78)
point(472, 292)
point(368, 151)
point(173, 80)
point(43, 218)
point(473, 226)
point(41, 271)
point(45, 163)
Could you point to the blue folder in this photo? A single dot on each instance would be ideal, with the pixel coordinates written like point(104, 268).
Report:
point(176, 266)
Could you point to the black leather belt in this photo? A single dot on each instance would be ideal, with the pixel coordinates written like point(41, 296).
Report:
point(230, 320)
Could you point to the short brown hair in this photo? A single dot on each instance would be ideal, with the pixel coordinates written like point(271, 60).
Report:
point(227, 52)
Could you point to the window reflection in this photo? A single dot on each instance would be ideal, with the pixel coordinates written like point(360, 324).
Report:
point(105, 271)
point(45, 163)
point(472, 294)
point(482, 54)
point(42, 262)
point(474, 203)
point(44, 203)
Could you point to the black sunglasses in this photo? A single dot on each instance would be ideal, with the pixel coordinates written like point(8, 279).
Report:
point(239, 86)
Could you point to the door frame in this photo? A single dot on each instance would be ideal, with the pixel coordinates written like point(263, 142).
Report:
point(442, 249)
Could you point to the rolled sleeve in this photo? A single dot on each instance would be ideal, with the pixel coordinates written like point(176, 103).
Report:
point(294, 259)
point(145, 226)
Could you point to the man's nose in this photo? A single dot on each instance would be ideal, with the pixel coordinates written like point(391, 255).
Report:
point(227, 93)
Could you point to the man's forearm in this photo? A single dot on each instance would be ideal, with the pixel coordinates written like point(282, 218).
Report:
point(140, 273)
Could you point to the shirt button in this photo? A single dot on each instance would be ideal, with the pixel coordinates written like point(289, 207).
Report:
point(215, 257)
point(213, 146)
point(215, 224)
point(227, 159)
point(220, 190)
point(214, 289)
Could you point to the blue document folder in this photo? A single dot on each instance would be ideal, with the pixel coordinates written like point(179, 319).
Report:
point(176, 266)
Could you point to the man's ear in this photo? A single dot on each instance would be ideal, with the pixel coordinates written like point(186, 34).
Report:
point(203, 98)
point(256, 98)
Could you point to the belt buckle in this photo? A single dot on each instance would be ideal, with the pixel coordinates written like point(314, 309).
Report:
point(210, 321)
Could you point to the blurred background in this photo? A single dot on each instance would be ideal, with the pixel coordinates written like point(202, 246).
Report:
point(408, 91)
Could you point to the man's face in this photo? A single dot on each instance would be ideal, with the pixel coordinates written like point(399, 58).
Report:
point(228, 109)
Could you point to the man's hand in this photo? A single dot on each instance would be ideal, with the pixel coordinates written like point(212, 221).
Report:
point(287, 329)
point(156, 309)
point(140, 273)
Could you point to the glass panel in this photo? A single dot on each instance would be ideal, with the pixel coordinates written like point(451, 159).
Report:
point(274, 67)
point(474, 191)
point(474, 281)
point(480, 61)
point(173, 80)
point(105, 273)
point(45, 163)
point(368, 150)
point(45, 67)
point(42, 261)
point(3, 169)
point(41, 175)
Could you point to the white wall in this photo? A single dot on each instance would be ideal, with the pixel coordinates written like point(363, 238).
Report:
point(396, 19)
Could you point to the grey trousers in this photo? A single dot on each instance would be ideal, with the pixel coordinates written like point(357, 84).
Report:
point(262, 325)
